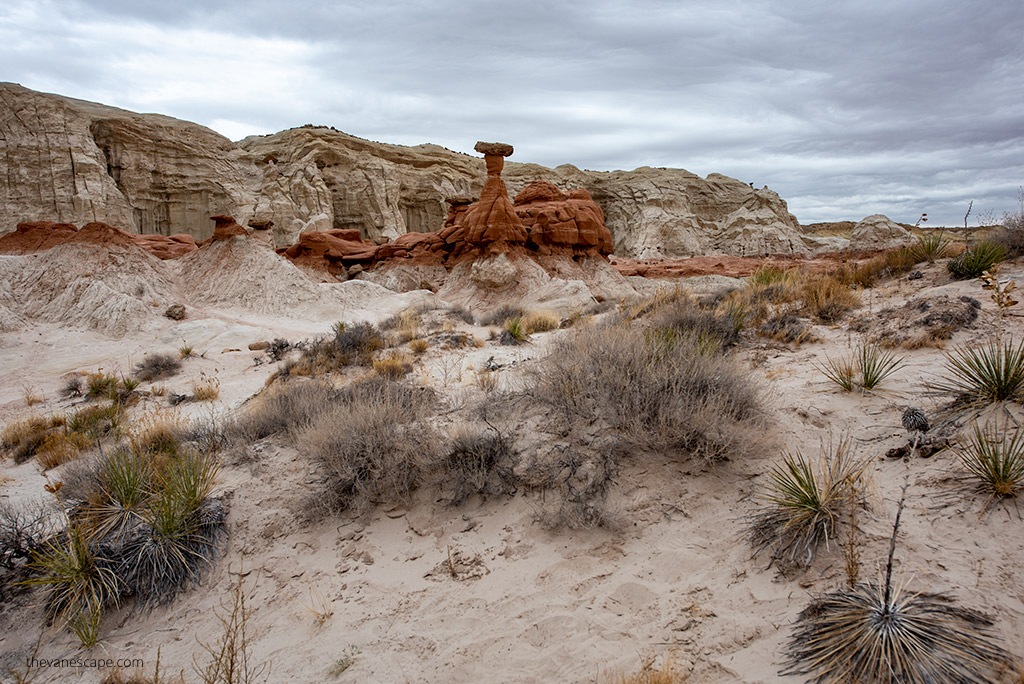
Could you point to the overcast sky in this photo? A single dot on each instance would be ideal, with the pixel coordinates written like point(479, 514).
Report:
point(845, 109)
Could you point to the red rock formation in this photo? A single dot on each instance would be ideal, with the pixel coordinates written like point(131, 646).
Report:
point(225, 227)
point(562, 223)
point(39, 236)
point(543, 221)
point(35, 236)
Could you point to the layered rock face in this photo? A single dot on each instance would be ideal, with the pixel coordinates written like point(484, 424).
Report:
point(39, 236)
point(72, 161)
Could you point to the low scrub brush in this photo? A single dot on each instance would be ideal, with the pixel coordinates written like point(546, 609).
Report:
point(157, 366)
point(979, 375)
point(974, 261)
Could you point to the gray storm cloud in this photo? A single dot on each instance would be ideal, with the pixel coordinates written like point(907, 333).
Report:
point(847, 110)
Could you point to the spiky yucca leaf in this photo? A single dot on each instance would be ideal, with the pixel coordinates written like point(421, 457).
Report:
point(803, 503)
point(985, 374)
point(125, 484)
point(840, 371)
point(80, 584)
point(911, 638)
point(876, 364)
point(994, 460)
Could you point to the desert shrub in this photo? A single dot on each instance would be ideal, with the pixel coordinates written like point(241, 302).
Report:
point(972, 262)
point(72, 387)
point(392, 367)
point(186, 351)
point(350, 345)
point(787, 327)
point(461, 313)
point(100, 385)
point(984, 374)
point(476, 461)
point(657, 392)
point(80, 584)
point(771, 275)
point(803, 503)
point(282, 407)
point(993, 459)
point(502, 314)
point(575, 481)
point(419, 345)
point(278, 348)
point(540, 321)
point(1010, 235)
point(683, 318)
point(59, 447)
point(120, 484)
point(405, 325)
point(157, 366)
point(23, 529)
point(157, 432)
point(371, 444)
point(827, 299)
point(514, 331)
point(230, 660)
point(178, 533)
point(97, 421)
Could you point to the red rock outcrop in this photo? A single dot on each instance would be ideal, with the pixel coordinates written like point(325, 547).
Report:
point(225, 227)
point(38, 236)
point(570, 223)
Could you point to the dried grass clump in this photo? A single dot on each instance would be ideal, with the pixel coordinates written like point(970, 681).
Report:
point(372, 443)
point(156, 366)
point(22, 439)
point(393, 366)
point(541, 321)
point(659, 392)
point(406, 325)
point(206, 388)
point(804, 502)
point(683, 318)
point(157, 433)
point(100, 384)
point(418, 346)
point(668, 673)
point(827, 299)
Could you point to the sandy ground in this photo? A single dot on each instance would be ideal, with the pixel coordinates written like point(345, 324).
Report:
point(526, 604)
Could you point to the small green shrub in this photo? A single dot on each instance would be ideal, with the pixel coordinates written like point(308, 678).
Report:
point(974, 261)
point(514, 331)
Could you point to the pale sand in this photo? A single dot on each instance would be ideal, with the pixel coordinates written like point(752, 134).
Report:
point(530, 604)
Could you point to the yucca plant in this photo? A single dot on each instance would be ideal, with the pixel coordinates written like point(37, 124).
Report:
point(931, 247)
point(984, 374)
point(177, 539)
point(868, 367)
point(972, 262)
point(876, 364)
point(514, 331)
point(878, 633)
point(125, 484)
point(994, 460)
point(80, 584)
point(804, 502)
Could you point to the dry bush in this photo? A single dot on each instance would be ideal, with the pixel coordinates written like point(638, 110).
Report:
point(372, 443)
point(156, 366)
point(827, 299)
point(282, 407)
point(477, 461)
point(502, 314)
point(230, 660)
point(541, 321)
point(1010, 235)
point(206, 388)
point(406, 325)
point(681, 317)
point(158, 432)
point(418, 346)
point(60, 447)
point(461, 313)
point(22, 439)
point(655, 391)
point(668, 673)
point(350, 345)
point(392, 366)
